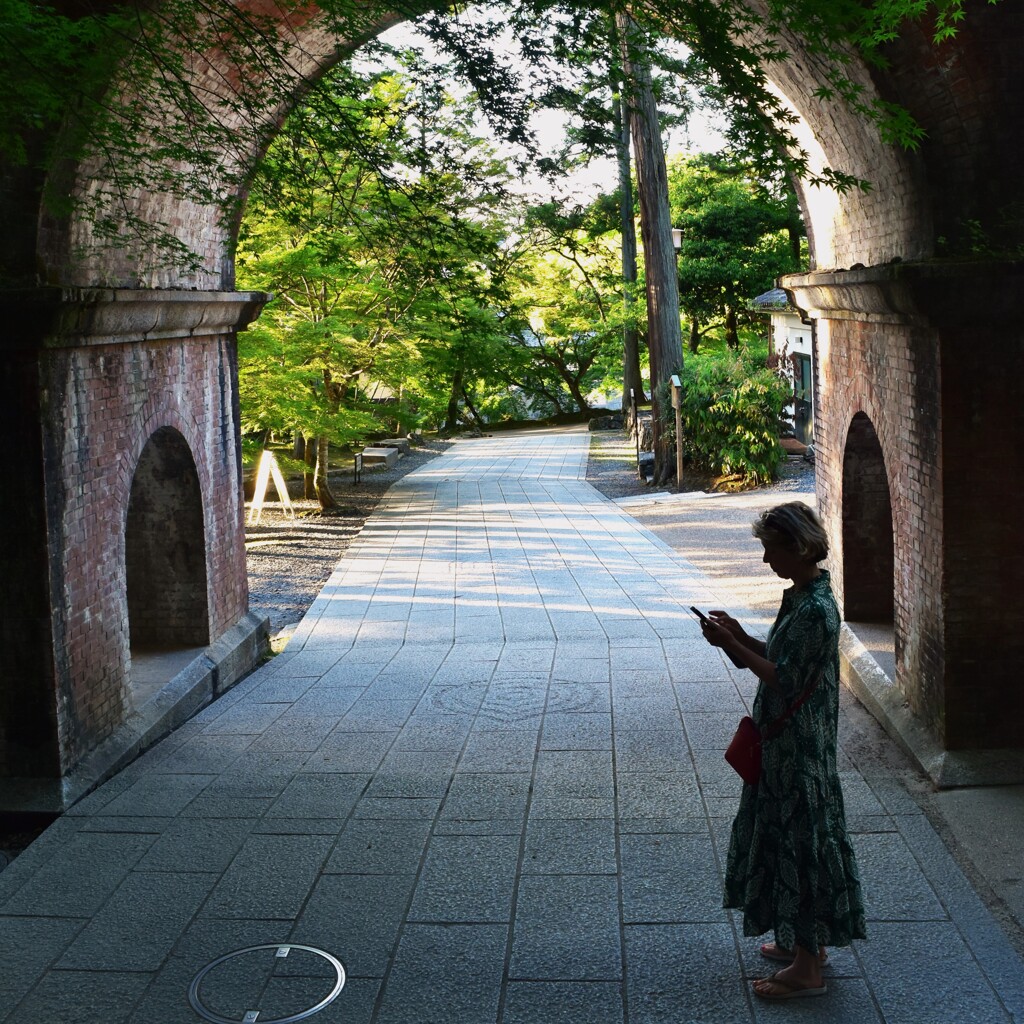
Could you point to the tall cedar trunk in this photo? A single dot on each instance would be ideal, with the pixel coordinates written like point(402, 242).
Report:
point(632, 380)
point(298, 446)
point(732, 334)
point(308, 477)
point(694, 336)
point(664, 336)
point(323, 490)
point(451, 419)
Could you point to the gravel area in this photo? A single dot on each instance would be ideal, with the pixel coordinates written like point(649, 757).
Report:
point(289, 560)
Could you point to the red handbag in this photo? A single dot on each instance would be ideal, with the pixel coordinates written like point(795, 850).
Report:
point(744, 751)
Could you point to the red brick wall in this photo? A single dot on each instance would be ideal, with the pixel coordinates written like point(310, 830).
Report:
point(890, 372)
point(104, 404)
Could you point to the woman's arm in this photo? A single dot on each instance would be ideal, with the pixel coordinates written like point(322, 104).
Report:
point(743, 648)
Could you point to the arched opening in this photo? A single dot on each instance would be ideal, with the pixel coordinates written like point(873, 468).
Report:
point(165, 563)
point(868, 560)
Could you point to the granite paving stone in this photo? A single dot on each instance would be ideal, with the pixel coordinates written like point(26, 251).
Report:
point(466, 879)
point(894, 887)
point(357, 918)
point(584, 730)
point(319, 795)
point(140, 923)
point(499, 751)
point(558, 1002)
point(486, 796)
point(80, 997)
point(196, 844)
point(398, 808)
point(559, 847)
point(28, 945)
point(923, 971)
point(159, 795)
point(270, 877)
point(80, 879)
point(567, 928)
point(657, 794)
point(685, 972)
point(661, 750)
point(445, 973)
point(669, 878)
point(374, 847)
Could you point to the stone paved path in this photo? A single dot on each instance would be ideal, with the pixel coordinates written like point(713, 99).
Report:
point(487, 776)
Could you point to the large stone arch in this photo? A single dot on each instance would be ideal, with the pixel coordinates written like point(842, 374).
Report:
point(890, 221)
point(902, 328)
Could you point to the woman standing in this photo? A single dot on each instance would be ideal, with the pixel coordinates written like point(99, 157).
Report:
point(791, 867)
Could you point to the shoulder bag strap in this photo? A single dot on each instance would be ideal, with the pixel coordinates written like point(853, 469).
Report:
point(772, 730)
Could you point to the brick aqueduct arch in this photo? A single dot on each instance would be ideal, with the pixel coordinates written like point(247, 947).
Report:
point(101, 357)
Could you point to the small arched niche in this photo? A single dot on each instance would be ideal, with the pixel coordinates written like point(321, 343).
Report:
point(165, 563)
point(868, 557)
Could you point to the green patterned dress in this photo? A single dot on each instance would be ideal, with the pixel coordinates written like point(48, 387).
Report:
point(791, 868)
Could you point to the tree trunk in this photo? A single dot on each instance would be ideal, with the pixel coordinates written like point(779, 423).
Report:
point(694, 342)
point(632, 379)
point(472, 410)
point(732, 334)
point(451, 419)
point(323, 490)
point(298, 446)
point(308, 477)
point(664, 336)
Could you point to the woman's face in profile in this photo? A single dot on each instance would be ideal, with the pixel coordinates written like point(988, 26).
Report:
point(781, 560)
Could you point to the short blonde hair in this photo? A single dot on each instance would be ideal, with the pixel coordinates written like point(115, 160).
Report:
point(795, 526)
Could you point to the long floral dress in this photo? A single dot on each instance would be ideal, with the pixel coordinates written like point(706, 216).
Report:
point(791, 867)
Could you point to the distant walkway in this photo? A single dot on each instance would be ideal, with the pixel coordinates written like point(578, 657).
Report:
point(487, 776)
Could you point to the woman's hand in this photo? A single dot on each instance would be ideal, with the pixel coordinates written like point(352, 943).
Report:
point(728, 623)
point(718, 633)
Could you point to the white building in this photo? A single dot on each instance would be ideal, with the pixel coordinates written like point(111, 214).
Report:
point(792, 342)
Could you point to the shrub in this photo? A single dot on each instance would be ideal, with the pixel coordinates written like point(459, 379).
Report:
point(731, 406)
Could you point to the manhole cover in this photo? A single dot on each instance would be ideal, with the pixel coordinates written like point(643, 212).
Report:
point(281, 950)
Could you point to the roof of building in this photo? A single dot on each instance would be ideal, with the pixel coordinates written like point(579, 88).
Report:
point(775, 299)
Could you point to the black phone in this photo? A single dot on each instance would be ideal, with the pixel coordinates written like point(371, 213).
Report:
point(700, 615)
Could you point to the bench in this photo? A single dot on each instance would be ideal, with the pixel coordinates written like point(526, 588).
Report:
point(401, 443)
point(380, 456)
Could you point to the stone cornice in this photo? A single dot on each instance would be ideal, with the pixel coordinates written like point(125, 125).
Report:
point(78, 317)
point(918, 294)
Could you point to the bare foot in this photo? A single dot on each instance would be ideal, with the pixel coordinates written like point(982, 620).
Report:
point(773, 951)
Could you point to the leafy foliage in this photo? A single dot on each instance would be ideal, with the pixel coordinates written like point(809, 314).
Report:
point(735, 239)
point(382, 244)
point(730, 413)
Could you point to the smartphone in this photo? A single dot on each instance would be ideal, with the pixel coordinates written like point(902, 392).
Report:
point(700, 615)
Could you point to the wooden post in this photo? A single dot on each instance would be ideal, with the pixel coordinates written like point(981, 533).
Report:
point(677, 403)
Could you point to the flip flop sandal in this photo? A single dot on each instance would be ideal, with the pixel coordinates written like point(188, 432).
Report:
point(772, 952)
point(787, 991)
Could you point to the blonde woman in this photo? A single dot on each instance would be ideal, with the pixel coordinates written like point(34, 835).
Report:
point(791, 867)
